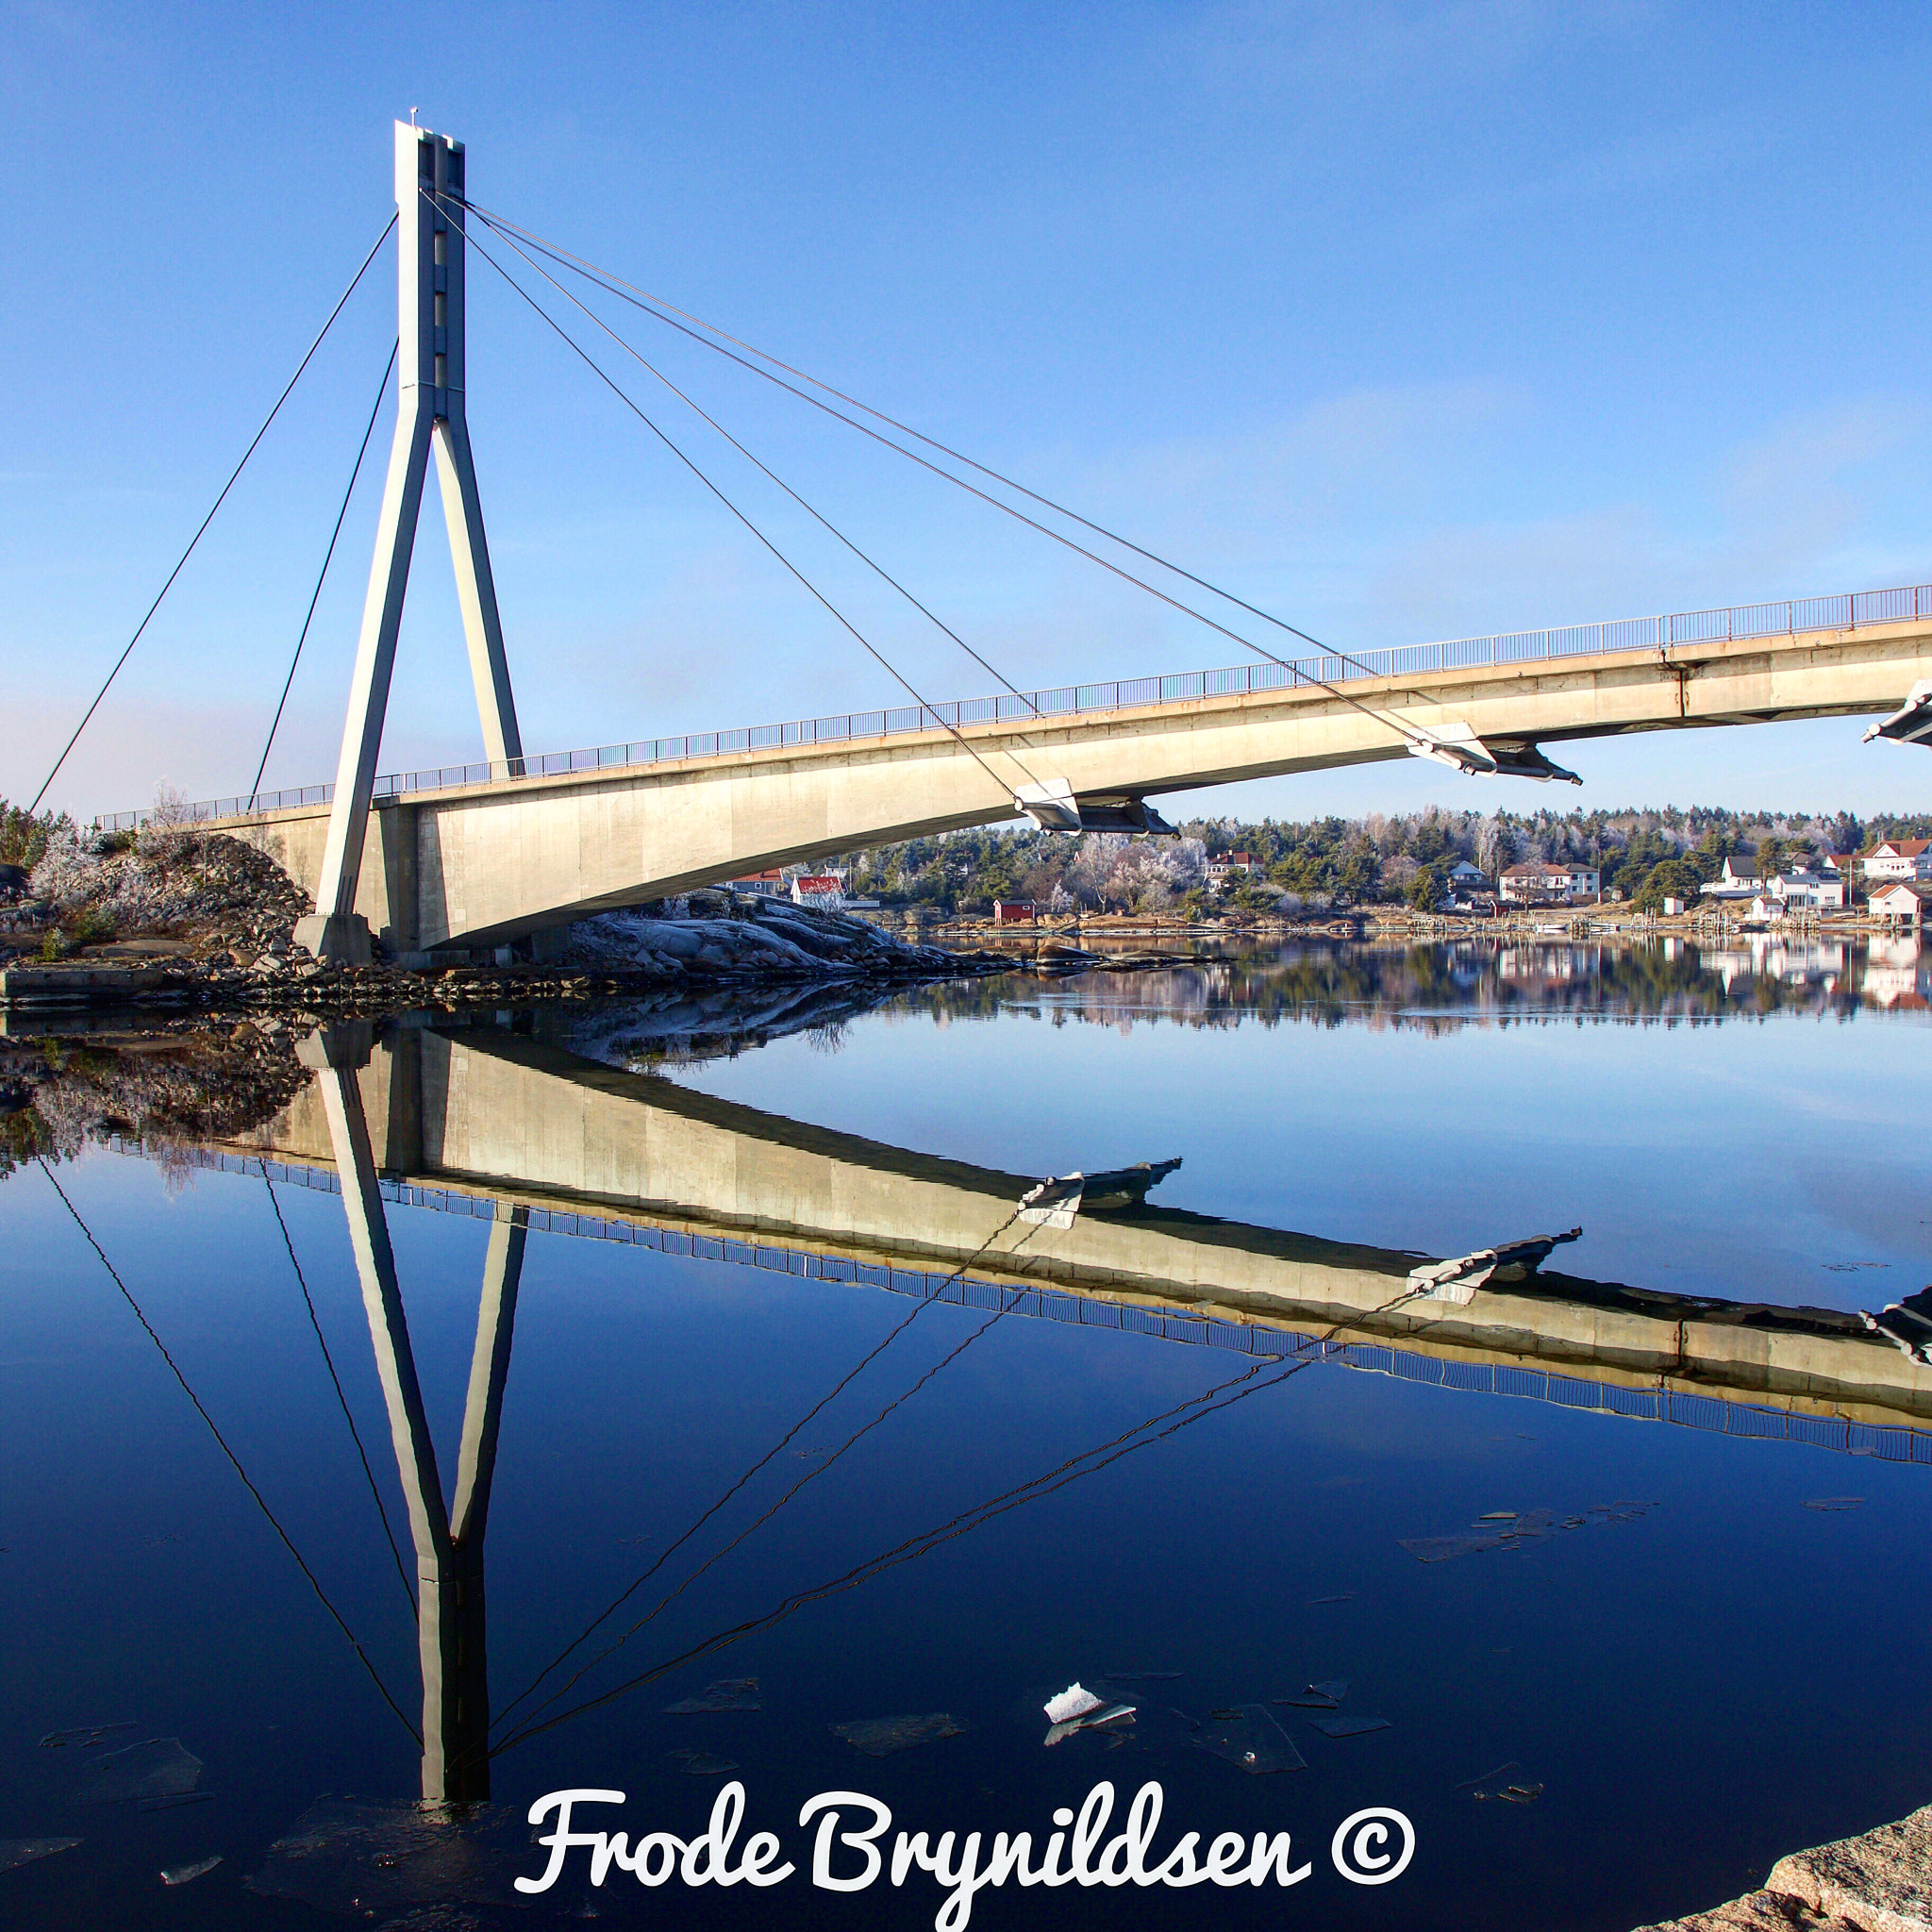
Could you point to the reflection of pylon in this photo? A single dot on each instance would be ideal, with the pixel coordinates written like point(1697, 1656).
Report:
point(431, 387)
point(450, 1618)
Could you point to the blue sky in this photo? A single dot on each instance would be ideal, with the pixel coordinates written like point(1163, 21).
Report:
point(1404, 322)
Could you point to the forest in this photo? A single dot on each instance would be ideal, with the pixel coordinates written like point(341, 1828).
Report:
point(1400, 858)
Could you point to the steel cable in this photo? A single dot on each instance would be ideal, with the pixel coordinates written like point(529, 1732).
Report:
point(235, 1461)
point(369, 429)
point(182, 560)
point(598, 370)
point(329, 1362)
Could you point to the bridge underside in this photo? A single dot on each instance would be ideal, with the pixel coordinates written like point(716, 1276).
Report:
point(483, 864)
point(486, 1112)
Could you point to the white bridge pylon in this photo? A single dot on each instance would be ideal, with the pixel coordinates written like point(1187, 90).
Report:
point(431, 387)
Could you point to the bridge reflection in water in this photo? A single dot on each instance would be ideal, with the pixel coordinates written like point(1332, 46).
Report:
point(488, 1122)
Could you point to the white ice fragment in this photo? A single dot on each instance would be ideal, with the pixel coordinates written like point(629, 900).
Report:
point(1074, 1701)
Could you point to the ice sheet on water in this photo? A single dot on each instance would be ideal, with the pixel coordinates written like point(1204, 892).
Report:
point(1142, 1677)
point(1501, 1530)
point(879, 1736)
point(347, 1855)
point(187, 1875)
point(23, 1850)
point(695, 1763)
point(1505, 1784)
point(160, 1768)
point(84, 1737)
point(1348, 1726)
point(1833, 1502)
point(1250, 1740)
point(727, 1693)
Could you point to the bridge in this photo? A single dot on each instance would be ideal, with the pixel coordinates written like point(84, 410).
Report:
point(470, 857)
point(486, 855)
point(489, 1120)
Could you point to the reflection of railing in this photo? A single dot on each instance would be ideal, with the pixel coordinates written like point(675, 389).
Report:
point(1653, 1402)
point(1849, 613)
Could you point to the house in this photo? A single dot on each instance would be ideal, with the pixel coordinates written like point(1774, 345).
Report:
point(766, 885)
point(1012, 911)
point(1810, 891)
point(1901, 903)
point(823, 890)
point(1537, 883)
point(1229, 865)
point(1738, 879)
point(1900, 858)
point(1464, 878)
point(1674, 909)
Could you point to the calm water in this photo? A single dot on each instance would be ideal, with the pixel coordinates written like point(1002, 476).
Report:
point(754, 1277)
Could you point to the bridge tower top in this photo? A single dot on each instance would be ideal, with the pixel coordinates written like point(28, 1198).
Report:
point(429, 245)
point(431, 390)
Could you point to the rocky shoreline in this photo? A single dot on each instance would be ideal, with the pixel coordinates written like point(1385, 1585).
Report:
point(207, 925)
point(1880, 1881)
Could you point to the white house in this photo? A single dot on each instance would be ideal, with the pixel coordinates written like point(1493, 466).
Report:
point(1740, 879)
point(1810, 891)
point(1230, 865)
point(1538, 883)
point(1901, 903)
point(1900, 858)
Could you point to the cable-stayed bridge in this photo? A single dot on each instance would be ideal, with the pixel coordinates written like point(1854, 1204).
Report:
point(486, 853)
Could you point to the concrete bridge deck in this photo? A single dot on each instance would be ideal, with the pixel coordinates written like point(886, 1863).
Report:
point(480, 864)
point(493, 1115)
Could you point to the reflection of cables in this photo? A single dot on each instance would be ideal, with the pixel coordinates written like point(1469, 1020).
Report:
point(789, 1434)
point(182, 560)
point(329, 1362)
point(966, 1521)
point(991, 670)
point(221, 1441)
point(818, 595)
point(865, 1428)
point(274, 724)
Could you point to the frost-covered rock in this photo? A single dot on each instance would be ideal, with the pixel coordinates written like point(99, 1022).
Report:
point(771, 941)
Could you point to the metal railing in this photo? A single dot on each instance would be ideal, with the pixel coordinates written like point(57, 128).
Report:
point(1739, 620)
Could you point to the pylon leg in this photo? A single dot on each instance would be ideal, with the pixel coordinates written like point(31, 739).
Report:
point(462, 512)
point(333, 931)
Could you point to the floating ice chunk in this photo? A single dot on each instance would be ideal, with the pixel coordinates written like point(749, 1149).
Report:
point(158, 1769)
point(1074, 1701)
point(727, 1693)
point(187, 1875)
point(1833, 1502)
point(1498, 1784)
point(85, 1737)
point(347, 1855)
point(702, 1764)
point(23, 1850)
point(879, 1736)
point(1143, 1676)
point(1348, 1726)
point(1249, 1738)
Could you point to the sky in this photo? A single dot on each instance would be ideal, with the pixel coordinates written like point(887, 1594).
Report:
point(1403, 321)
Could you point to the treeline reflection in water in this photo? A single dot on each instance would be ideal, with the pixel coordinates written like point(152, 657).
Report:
point(1436, 987)
point(1448, 985)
